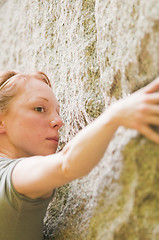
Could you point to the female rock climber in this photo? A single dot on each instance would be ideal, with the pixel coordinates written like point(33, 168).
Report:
point(30, 168)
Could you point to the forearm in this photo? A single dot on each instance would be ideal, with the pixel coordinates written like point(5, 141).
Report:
point(84, 151)
point(138, 111)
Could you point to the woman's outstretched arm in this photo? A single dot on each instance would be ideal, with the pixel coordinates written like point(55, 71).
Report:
point(38, 176)
point(138, 111)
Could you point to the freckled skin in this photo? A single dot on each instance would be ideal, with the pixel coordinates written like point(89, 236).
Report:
point(28, 121)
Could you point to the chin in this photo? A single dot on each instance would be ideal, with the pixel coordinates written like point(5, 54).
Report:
point(45, 153)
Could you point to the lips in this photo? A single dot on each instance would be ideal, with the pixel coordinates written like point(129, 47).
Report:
point(53, 139)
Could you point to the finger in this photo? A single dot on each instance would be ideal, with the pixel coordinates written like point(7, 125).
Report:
point(153, 120)
point(150, 109)
point(149, 133)
point(152, 87)
point(152, 98)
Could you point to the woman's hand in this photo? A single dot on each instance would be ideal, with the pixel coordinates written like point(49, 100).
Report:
point(85, 150)
point(139, 111)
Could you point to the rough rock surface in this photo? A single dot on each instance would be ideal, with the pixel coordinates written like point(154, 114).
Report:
point(95, 52)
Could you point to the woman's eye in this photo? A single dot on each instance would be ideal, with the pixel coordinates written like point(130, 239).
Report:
point(39, 109)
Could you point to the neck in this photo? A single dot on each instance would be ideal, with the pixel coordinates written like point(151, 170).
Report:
point(4, 155)
point(6, 150)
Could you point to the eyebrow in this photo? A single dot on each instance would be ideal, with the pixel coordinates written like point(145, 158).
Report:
point(48, 100)
point(44, 98)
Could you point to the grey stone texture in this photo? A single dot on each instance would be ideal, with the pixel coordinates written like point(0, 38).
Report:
point(94, 52)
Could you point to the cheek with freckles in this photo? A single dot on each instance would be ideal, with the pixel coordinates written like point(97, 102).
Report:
point(36, 128)
point(31, 130)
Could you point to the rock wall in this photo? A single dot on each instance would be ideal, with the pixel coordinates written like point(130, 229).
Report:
point(94, 52)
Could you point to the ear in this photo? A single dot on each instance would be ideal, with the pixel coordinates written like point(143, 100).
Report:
point(2, 126)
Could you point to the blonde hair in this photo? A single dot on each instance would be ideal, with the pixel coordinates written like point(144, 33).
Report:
point(9, 87)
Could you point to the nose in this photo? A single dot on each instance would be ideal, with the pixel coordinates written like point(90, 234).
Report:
point(56, 122)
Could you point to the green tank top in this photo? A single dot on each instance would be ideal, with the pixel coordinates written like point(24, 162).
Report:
point(21, 218)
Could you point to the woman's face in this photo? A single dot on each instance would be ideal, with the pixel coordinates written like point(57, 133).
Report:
point(32, 121)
